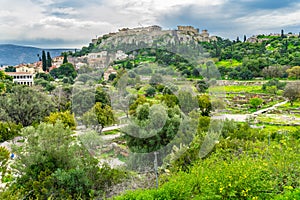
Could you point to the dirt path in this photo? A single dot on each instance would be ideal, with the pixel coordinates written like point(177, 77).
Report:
point(244, 117)
point(268, 109)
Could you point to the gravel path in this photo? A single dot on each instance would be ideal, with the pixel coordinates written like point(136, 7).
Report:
point(244, 117)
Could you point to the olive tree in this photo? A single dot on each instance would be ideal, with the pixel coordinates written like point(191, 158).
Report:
point(52, 164)
point(25, 105)
point(99, 116)
point(292, 92)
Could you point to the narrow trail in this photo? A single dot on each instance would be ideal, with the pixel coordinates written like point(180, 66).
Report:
point(268, 109)
point(244, 117)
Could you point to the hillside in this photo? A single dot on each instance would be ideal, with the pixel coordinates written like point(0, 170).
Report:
point(144, 115)
point(268, 56)
point(147, 37)
point(14, 54)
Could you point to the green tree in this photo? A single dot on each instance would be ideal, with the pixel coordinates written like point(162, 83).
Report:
point(10, 69)
point(45, 84)
point(155, 79)
point(3, 76)
point(49, 61)
point(143, 112)
point(196, 72)
point(68, 80)
point(245, 74)
point(44, 76)
point(99, 116)
point(201, 86)
point(44, 61)
point(102, 96)
point(292, 92)
point(276, 71)
point(61, 98)
point(65, 60)
point(272, 89)
point(25, 105)
point(274, 82)
point(9, 130)
point(91, 141)
point(139, 101)
point(170, 100)
point(210, 71)
point(168, 88)
point(282, 33)
point(150, 91)
point(4, 157)
point(52, 164)
point(4, 81)
point(65, 70)
point(83, 99)
point(294, 72)
point(255, 102)
point(204, 104)
point(187, 102)
point(66, 118)
point(152, 128)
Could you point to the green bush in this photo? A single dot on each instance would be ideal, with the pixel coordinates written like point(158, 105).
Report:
point(243, 177)
point(293, 194)
point(238, 168)
point(9, 130)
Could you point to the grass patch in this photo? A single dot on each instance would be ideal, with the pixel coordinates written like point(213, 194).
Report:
point(287, 106)
point(273, 129)
point(112, 132)
point(278, 119)
point(108, 154)
point(229, 63)
point(238, 88)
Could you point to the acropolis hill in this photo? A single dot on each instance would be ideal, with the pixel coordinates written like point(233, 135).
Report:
point(150, 33)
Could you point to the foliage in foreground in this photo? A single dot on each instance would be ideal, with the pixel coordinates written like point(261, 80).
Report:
point(238, 169)
point(52, 164)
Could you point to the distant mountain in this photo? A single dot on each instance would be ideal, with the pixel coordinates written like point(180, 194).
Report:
point(14, 54)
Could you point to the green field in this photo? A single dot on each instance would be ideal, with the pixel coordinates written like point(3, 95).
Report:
point(238, 88)
point(229, 63)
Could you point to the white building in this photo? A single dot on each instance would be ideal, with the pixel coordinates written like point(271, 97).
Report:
point(101, 54)
point(23, 78)
point(120, 55)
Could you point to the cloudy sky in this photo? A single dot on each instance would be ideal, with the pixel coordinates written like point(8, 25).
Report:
point(73, 23)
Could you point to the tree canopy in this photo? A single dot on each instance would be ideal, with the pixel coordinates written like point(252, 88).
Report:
point(52, 164)
point(99, 116)
point(25, 105)
point(292, 92)
point(65, 70)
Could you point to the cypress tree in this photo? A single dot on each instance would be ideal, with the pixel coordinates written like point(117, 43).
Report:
point(44, 61)
point(49, 61)
point(282, 33)
point(65, 58)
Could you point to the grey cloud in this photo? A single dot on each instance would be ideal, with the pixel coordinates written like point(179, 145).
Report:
point(77, 20)
point(234, 19)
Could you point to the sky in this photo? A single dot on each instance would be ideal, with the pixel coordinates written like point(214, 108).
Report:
point(73, 23)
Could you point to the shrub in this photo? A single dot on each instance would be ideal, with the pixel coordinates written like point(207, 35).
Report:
point(66, 118)
point(9, 130)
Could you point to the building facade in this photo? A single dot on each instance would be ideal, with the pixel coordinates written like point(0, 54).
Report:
point(23, 78)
